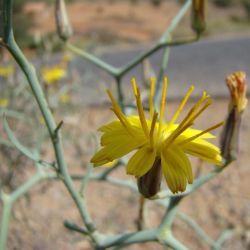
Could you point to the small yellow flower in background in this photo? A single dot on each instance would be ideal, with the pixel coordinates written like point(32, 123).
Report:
point(6, 71)
point(155, 140)
point(64, 98)
point(67, 57)
point(51, 75)
point(4, 102)
point(41, 120)
point(236, 83)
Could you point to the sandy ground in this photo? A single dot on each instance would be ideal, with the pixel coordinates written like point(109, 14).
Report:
point(37, 222)
point(121, 23)
point(223, 203)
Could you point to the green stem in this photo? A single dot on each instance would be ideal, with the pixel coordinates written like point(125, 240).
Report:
point(120, 93)
point(163, 42)
point(170, 214)
point(123, 70)
point(172, 242)
point(223, 237)
point(72, 226)
point(199, 231)
point(128, 238)
point(95, 60)
point(159, 82)
point(38, 177)
point(9, 200)
point(176, 20)
point(31, 76)
point(141, 218)
point(5, 221)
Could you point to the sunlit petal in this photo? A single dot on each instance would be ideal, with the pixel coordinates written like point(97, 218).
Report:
point(140, 163)
point(203, 150)
point(173, 173)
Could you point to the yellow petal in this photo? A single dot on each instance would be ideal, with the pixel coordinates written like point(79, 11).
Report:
point(178, 159)
point(133, 120)
point(203, 150)
point(192, 132)
point(141, 162)
point(113, 151)
point(120, 135)
point(110, 164)
point(174, 175)
point(110, 126)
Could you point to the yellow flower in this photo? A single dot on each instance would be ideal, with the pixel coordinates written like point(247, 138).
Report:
point(67, 57)
point(6, 71)
point(64, 98)
point(155, 140)
point(51, 75)
point(4, 102)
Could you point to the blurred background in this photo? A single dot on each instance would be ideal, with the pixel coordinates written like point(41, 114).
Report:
point(116, 31)
point(123, 23)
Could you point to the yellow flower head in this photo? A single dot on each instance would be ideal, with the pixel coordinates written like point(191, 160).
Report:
point(51, 75)
point(64, 98)
point(155, 140)
point(6, 71)
point(4, 102)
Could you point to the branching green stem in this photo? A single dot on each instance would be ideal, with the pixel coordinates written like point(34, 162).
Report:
point(199, 231)
point(9, 199)
point(163, 233)
point(31, 76)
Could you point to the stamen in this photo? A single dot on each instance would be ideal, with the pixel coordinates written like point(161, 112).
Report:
point(116, 109)
point(201, 133)
point(140, 108)
point(120, 118)
point(208, 103)
point(184, 101)
point(176, 133)
point(134, 86)
point(151, 99)
point(163, 100)
point(151, 134)
point(189, 118)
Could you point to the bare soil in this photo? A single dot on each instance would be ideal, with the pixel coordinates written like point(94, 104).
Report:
point(106, 22)
point(37, 222)
point(223, 203)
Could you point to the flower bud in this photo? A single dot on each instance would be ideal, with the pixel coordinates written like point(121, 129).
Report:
point(237, 86)
point(198, 16)
point(62, 22)
point(236, 83)
point(150, 183)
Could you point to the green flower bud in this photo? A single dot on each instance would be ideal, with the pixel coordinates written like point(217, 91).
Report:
point(198, 16)
point(62, 22)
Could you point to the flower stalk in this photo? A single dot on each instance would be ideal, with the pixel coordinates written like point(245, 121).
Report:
point(237, 86)
point(198, 16)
